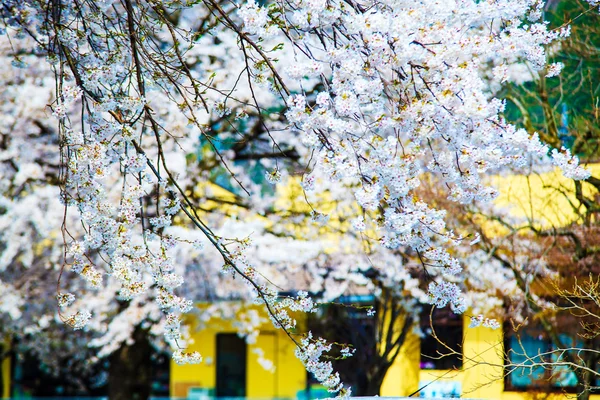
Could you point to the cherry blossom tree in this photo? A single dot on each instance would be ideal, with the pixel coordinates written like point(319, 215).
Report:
point(553, 266)
point(549, 256)
point(542, 277)
point(361, 101)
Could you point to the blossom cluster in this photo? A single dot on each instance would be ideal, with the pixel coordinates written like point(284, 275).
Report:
point(406, 98)
point(310, 353)
point(485, 322)
point(181, 357)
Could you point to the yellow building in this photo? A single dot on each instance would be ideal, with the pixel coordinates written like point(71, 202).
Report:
point(232, 368)
point(480, 372)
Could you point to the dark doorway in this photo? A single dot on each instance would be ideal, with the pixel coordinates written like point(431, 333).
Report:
point(231, 366)
point(448, 328)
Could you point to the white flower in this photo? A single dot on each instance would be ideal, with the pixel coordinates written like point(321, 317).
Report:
point(78, 320)
point(221, 109)
point(273, 177)
point(182, 358)
point(358, 224)
point(65, 299)
point(319, 218)
point(569, 164)
point(554, 69)
point(254, 17)
point(323, 99)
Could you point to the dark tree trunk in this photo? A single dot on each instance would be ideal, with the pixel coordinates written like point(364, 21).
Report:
point(584, 379)
point(376, 341)
point(584, 394)
point(130, 370)
point(369, 381)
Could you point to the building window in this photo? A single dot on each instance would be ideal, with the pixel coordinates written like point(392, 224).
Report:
point(231, 365)
point(448, 328)
point(529, 346)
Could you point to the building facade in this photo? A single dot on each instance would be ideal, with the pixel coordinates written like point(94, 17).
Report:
point(232, 368)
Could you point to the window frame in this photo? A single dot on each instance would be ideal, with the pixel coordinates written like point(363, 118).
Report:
point(545, 385)
point(446, 319)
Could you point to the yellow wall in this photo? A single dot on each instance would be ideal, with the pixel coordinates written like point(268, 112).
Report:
point(479, 378)
point(286, 381)
point(402, 379)
point(5, 377)
point(540, 198)
point(289, 378)
point(545, 199)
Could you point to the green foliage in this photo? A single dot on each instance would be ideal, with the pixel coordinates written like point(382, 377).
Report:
point(565, 110)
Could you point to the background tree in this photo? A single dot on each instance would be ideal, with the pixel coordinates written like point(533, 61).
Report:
point(565, 112)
